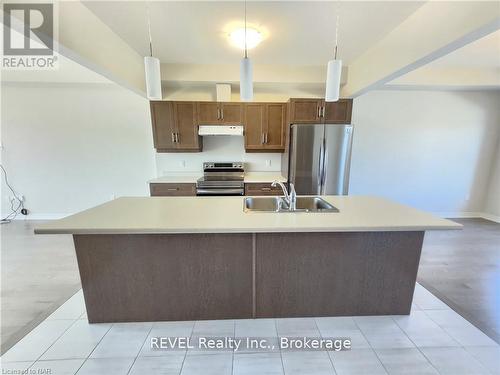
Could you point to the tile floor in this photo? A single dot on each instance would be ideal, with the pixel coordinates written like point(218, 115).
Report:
point(433, 339)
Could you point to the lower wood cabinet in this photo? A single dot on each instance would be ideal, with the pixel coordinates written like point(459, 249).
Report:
point(172, 189)
point(256, 189)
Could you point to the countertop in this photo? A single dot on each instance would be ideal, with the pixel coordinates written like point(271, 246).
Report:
point(250, 177)
point(225, 215)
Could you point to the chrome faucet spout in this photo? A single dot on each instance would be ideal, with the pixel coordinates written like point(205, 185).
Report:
point(290, 197)
point(283, 187)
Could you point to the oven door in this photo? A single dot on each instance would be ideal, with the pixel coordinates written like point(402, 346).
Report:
point(220, 191)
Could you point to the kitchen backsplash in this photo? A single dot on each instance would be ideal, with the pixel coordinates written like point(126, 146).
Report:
point(217, 148)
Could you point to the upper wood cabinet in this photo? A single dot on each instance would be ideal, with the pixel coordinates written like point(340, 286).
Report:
point(317, 111)
point(219, 113)
point(175, 127)
point(208, 113)
point(338, 112)
point(265, 127)
point(162, 118)
point(305, 111)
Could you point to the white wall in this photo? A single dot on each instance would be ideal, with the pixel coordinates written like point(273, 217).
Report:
point(432, 150)
point(492, 204)
point(217, 149)
point(71, 147)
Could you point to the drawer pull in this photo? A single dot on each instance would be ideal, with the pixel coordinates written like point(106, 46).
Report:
point(265, 189)
point(173, 189)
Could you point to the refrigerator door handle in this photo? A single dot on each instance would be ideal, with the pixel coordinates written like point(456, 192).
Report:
point(321, 166)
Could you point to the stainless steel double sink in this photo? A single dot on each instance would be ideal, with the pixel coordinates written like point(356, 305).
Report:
point(279, 204)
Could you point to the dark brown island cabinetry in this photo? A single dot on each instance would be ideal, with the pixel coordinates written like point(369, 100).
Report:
point(317, 111)
point(135, 277)
point(175, 127)
point(161, 189)
point(219, 113)
point(265, 127)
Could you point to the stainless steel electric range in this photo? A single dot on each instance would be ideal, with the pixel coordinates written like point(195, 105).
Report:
point(221, 178)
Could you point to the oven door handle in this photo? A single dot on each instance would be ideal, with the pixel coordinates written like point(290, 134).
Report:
point(219, 191)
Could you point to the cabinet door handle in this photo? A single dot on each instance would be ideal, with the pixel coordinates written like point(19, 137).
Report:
point(177, 137)
point(218, 113)
point(323, 111)
point(173, 137)
point(262, 138)
point(265, 138)
point(222, 113)
point(319, 111)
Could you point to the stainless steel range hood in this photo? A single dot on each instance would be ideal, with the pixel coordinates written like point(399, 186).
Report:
point(220, 130)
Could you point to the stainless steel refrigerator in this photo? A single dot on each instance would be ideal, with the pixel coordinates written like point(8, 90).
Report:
point(320, 158)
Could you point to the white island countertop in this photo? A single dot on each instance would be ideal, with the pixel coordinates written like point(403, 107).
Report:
point(136, 215)
point(250, 177)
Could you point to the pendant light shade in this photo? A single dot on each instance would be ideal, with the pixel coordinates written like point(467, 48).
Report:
point(246, 79)
point(153, 78)
point(152, 68)
point(333, 73)
point(334, 68)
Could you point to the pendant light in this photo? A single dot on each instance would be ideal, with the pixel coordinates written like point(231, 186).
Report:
point(333, 72)
point(246, 70)
point(152, 69)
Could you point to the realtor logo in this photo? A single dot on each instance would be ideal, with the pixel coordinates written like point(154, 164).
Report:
point(28, 38)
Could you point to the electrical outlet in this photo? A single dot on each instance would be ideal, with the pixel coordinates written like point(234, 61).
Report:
point(268, 163)
point(183, 163)
point(112, 196)
point(19, 196)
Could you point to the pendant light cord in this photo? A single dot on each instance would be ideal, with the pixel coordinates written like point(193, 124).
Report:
point(337, 29)
point(246, 54)
point(149, 30)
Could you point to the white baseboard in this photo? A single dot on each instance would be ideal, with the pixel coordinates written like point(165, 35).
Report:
point(490, 217)
point(41, 217)
point(458, 215)
point(465, 215)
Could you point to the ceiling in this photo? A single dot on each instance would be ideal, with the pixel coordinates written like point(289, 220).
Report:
point(296, 32)
point(67, 71)
point(483, 53)
point(475, 64)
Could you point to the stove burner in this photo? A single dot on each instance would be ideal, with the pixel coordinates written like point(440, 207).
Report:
point(221, 179)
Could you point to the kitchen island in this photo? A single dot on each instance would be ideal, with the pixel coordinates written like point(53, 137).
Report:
point(190, 258)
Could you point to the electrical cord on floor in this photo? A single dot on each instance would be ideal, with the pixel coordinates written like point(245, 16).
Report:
point(14, 210)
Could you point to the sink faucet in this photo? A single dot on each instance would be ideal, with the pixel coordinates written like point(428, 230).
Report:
point(290, 198)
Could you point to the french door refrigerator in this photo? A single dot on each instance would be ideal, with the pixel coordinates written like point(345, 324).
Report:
point(320, 158)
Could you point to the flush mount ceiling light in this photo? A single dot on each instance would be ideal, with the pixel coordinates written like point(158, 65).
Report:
point(246, 69)
point(152, 68)
point(334, 71)
point(253, 38)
